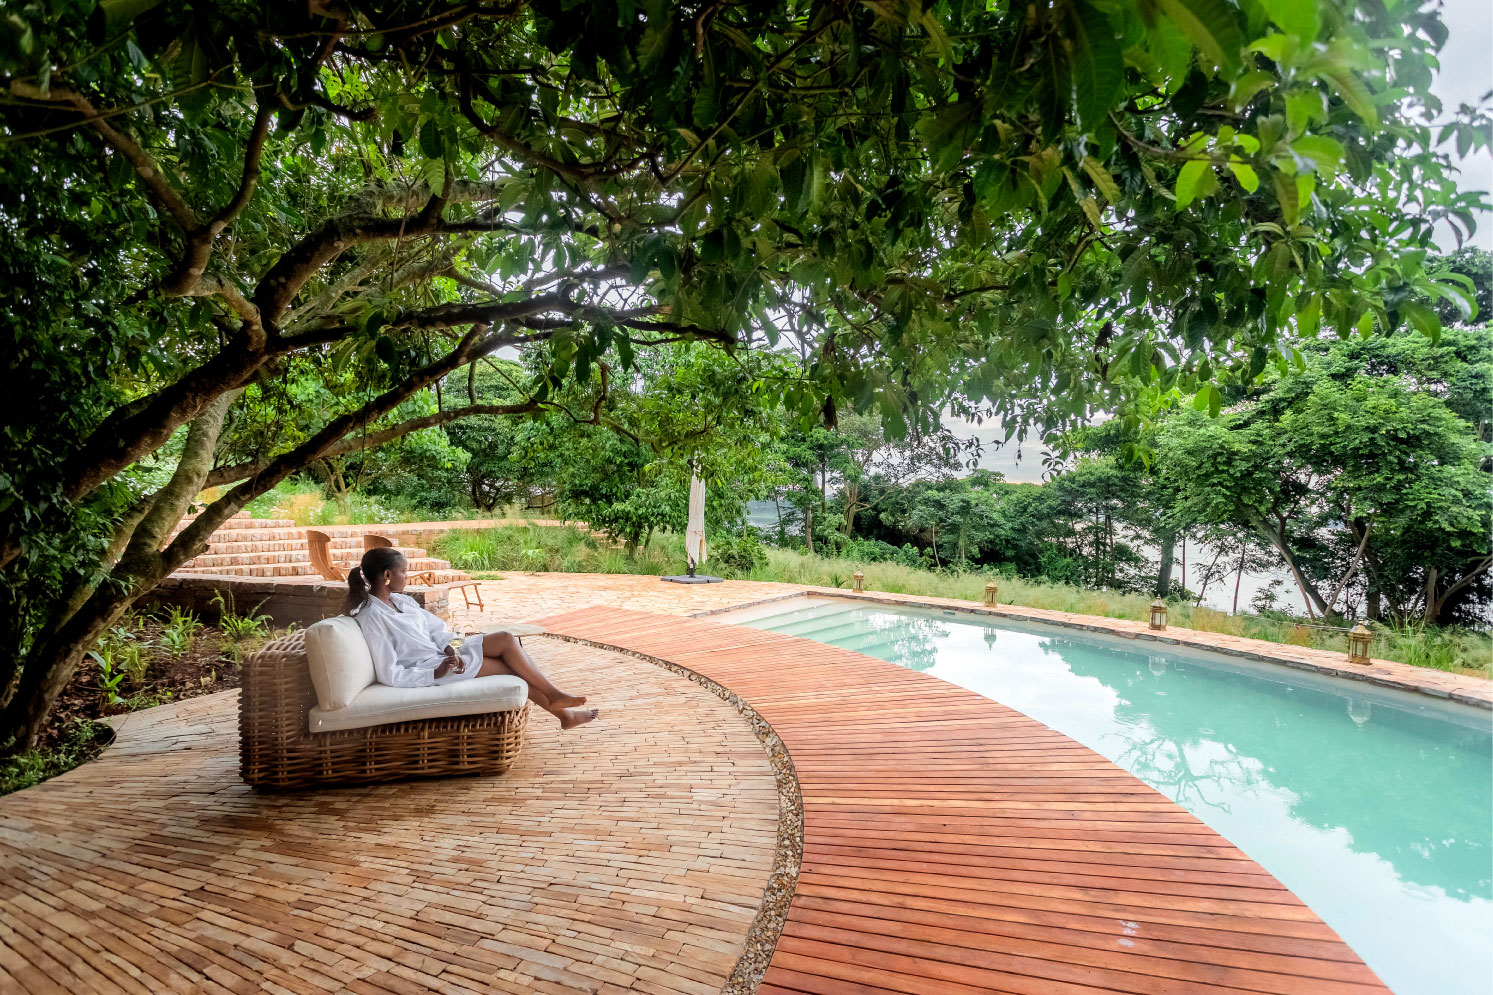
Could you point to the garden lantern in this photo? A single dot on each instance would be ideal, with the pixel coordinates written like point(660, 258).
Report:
point(860, 581)
point(1158, 614)
point(1358, 643)
point(990, 592)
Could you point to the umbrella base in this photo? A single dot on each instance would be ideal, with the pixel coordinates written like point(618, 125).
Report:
point(693, 579)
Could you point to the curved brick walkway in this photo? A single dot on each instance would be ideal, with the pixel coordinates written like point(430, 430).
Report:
point(953, 845)
point(630, 856)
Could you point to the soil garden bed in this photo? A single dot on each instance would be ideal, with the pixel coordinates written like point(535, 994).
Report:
point(206, 663)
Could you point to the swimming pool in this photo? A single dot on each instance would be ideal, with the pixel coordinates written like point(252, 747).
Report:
point(1374, 806)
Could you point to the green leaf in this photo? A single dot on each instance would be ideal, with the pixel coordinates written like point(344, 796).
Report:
point(1424, 319)
point(1354, 93)
point(1246, 175)
point(1098, 65)
point(1285, 193)
point(1213, 27)
point(1309, 318)
point(1091, 210)
point(1297, 17)
point(1194, 180)
point(1303, 106)
point(1325, 154)
point(112, 16)
point(1172, 52)
point(1102, 179)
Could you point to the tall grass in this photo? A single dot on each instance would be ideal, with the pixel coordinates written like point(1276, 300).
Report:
point(566, 549)
point(573, 550)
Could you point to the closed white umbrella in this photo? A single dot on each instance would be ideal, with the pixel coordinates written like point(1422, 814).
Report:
point(694, 531)
point(694, 536)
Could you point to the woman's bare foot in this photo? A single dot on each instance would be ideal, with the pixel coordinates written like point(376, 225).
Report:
point(572, 717)
point(567, 701)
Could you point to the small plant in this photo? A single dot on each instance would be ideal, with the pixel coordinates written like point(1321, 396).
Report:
point(122, 656)
point(132, 660)
point(535, 559)
point(238, 627)
point(110, 676)
point(179, 631)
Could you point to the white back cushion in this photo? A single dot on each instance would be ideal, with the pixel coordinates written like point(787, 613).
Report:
point(341, 665)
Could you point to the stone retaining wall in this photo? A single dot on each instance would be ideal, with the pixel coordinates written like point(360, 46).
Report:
point(284, 601)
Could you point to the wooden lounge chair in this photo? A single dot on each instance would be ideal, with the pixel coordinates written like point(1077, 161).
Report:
point(319, 548)
point(469, 588)
point(281, 713)
point(372, 541)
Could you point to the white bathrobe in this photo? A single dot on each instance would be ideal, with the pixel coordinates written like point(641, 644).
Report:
point(409, 644)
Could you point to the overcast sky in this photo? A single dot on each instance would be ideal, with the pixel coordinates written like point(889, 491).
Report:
point(1466, 74)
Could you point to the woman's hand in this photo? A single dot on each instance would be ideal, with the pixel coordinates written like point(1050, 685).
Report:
point(453, 664)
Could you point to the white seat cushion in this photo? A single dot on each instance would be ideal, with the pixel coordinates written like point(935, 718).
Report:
point(379, 704)
point(340, 663)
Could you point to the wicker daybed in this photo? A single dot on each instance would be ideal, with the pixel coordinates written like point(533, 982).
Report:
point(294, 733)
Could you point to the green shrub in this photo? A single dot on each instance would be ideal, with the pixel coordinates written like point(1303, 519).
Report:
point(737, 553)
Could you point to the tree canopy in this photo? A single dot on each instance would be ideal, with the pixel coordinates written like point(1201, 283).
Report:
point(1033, 211)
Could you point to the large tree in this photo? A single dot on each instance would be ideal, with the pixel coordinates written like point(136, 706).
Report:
point(1031, 209)
point(1368, 470)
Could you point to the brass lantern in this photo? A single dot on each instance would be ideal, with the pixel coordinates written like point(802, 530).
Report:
point(1359, 639)
point(1158, 614)
point(990, 592)
point(860, 581)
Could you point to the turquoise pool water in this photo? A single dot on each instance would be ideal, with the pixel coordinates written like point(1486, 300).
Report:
point(1374, 806)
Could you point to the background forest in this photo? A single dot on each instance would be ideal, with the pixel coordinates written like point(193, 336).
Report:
point(1360, 476)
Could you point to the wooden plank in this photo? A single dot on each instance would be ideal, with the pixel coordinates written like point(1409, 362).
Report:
point(954, 845)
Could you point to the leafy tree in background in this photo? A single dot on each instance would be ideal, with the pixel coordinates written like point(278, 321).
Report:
point(1367, 471)
point(621, 459)
point(1476, 266)
point(508, 461)
point(1041, 211)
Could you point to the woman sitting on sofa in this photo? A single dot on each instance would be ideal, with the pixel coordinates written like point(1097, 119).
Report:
point(412, 648)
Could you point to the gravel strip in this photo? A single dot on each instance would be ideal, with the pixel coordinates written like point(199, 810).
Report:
point(762, 937)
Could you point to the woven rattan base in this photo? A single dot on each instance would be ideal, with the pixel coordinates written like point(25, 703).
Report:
point(277, 750)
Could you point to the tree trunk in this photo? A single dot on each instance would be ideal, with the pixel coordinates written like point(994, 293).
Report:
point(1208, 576)
point(1184, 563)
point(67, 637)
point(1375, 606)
point(1315, 604)
point(1352, 567)
point(1164, 573)
point(1239, 575)
point(809, 528)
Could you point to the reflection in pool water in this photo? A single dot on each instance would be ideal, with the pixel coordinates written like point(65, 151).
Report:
point(1374, 806)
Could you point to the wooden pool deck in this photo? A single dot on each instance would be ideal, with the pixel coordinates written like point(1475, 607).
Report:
point(952, 845)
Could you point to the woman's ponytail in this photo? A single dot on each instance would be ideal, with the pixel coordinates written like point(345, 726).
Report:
point(375, 563)
point(357, 592)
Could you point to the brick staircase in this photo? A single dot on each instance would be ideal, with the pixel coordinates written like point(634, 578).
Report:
point(276, 548)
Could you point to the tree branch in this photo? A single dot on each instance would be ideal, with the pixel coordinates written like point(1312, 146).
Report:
point(224, 475)
point(149, 170)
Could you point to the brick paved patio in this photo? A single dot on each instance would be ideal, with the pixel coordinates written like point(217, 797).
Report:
point(631, 856)
point(628, 856)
